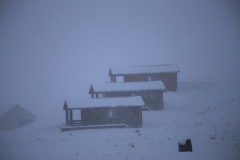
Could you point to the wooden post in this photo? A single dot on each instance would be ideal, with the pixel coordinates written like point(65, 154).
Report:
point(67, 118)
point(71, 117)
point(114, 78)
point(161, 100)
point(92, 95)
point(140, 116)
point(111, 78)
point(65, 107)
point(96, 95)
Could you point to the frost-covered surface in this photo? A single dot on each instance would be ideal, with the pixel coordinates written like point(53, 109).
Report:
point(128, 86)
point(144, 69)
point(206, 111)
point(105, 102)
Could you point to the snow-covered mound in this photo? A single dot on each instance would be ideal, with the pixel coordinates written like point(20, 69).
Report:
point(206, 111)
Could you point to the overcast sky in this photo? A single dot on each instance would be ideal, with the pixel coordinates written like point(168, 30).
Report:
point(52, 50)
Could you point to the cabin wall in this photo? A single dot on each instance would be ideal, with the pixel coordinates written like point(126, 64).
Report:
point(131, 116)
point(134, 117)
point(168, 79)
point(151, 98)
point(94, 116)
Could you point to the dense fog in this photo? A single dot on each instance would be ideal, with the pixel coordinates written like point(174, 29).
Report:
point(53, 50)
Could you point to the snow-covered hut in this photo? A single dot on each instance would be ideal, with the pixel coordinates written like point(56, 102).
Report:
point(104, 111)
point(166, 73)
point(14, 116)
point(151, 92)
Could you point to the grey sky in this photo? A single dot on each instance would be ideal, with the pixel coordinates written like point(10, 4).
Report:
point(52, 50)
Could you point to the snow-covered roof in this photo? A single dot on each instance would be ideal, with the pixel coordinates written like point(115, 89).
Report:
point(127, 86)
point(5, 108)
point(166, 68)
point(105, 102)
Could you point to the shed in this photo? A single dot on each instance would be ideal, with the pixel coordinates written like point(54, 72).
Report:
point(166, 73)
point(151, 92)
point(104, 111)
point(14, 116)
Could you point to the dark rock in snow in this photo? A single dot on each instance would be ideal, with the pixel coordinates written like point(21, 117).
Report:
point(137, 131)
point(185, 145)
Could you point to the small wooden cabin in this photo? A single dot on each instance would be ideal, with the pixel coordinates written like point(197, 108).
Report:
point(13, 117)
point(151, 92)
point(104, 111)
point(166, 73)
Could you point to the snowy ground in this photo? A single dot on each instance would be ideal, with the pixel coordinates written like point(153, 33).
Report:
point(207, 111)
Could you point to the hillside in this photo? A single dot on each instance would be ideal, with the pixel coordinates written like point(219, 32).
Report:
point(204, 110)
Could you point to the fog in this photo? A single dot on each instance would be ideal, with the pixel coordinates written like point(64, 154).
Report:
point(53, 50)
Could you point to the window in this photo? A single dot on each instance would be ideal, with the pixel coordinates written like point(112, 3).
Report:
point(149, 78)
point(151, 95)
point(112, 114)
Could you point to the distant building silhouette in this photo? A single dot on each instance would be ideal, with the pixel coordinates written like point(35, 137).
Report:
point(14, 116)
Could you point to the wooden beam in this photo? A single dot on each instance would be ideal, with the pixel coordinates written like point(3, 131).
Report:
point(71, 117)
point(67, 118)
point(112, 79)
